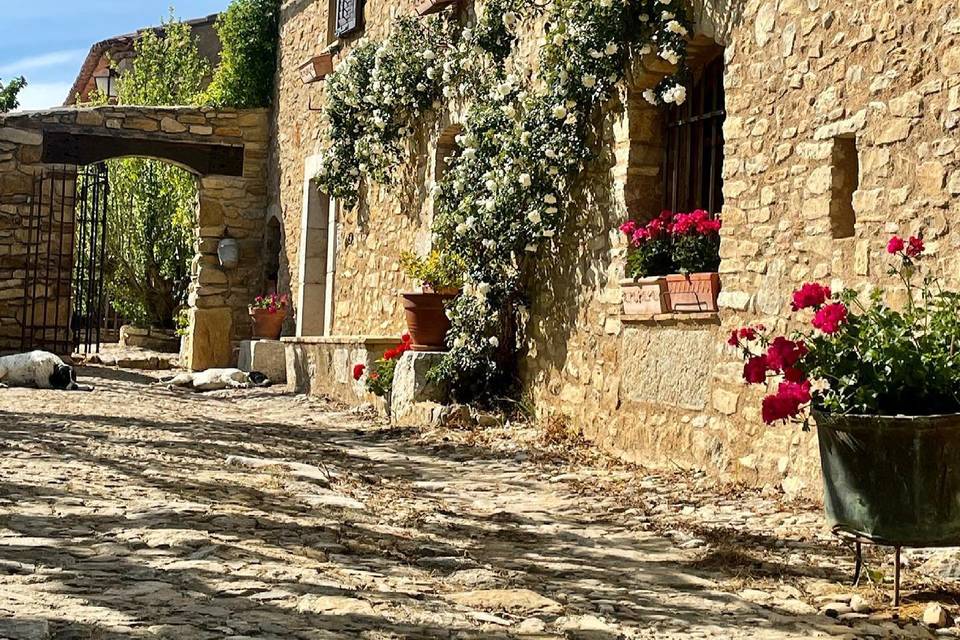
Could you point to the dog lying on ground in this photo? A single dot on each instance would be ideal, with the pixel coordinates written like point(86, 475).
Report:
point(39, 369)
point(217, 379)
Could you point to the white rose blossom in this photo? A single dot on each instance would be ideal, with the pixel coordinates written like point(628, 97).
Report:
point(525, 180)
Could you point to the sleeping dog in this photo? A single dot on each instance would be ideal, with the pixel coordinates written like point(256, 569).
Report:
point(217, 379)
point(39, 369)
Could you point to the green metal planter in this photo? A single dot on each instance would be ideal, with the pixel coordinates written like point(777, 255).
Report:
point(892, 480)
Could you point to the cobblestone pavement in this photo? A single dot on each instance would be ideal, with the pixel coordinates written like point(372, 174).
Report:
point(138, 512)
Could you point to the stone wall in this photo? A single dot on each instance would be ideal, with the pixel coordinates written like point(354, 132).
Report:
point(229, 206)
point(810, 84)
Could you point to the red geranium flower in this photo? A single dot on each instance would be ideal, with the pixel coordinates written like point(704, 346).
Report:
point(895, 245)
point(914, 247)
point(786, 403)
point(784, 354)
point(745, 334)
point(755, 370)
point(358, 370)
point(810, 295)
point(829, 318)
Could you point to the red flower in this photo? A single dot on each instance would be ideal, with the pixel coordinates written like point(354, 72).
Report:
point(787, 402)
point(895, 245)
point(628, 228)
point(358, 370)
point(792, 374)
point(914, 247)
point(810, 295)
point(374, 376)
point(405, 338)
point(391, 354)
point(755, 370)
point(745, 334)
point(831, 317)
point(783, 353)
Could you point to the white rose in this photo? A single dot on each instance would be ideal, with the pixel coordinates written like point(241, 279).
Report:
point(494, 341)
point(525, 180)
point(429, 55)
point(552, 210)
point(469, 153)
point(525, 137)
point(589, 81)
point(650, 96)
point(491, 185)
point(611, 49)
point(483, 289)
point(550, 198)
point(490, 205)
point(534, 217)
point(548, 233)
point(559, 112)
point(509, 19)
point(470, 221)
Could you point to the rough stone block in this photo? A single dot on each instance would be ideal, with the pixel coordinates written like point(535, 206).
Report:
point(269, 357)
point(208, 343)
point(411, 388)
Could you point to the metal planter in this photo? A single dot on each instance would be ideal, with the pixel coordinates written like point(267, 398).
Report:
point(892, 480)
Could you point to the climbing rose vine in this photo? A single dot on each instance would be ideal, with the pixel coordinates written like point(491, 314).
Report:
point(504, 202)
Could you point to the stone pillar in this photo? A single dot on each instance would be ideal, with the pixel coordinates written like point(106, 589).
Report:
point(415, 400)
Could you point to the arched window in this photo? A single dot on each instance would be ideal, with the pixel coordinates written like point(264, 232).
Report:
point(693, 149)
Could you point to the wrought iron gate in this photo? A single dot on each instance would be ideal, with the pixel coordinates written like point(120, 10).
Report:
point(88, 295)
point(63, 293)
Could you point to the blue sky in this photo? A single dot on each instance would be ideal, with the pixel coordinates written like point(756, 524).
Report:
point(46, 41)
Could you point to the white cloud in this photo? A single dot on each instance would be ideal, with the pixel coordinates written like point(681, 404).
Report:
point(44, 95)
point(42, 61)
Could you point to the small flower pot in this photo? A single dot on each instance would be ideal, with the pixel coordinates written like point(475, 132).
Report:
point(427, 320)
point(267, 325)
point(692, 292)
point(645, 296)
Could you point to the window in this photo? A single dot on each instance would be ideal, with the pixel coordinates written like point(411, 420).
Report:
point(693, 149)
point(346, 17)
point(845, 181)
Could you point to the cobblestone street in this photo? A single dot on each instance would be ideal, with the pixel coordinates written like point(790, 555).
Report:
point(136, 511)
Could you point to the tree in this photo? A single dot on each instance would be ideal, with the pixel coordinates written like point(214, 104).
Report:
point(8, 94)
point(249, 31)
point(152, 204)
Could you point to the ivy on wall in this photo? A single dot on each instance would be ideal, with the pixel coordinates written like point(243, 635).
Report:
point(505, 201)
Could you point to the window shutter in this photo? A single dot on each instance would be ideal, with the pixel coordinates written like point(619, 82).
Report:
point(349, 17)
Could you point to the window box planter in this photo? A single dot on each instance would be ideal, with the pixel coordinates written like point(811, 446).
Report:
point(316, 68)
point(645, 296)
point(693, 292)
point(428, 7)
point(427, 319)
point(892, 480)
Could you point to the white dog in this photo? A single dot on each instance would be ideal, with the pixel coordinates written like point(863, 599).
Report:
point(217, 379)
point(39, 369)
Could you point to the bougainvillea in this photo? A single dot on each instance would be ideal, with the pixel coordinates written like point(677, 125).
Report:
point(504, 201)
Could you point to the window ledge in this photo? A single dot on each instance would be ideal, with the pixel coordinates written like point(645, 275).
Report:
point(701, 317)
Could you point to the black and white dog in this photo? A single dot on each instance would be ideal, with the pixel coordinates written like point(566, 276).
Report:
point(218, 379)
point(39, 369)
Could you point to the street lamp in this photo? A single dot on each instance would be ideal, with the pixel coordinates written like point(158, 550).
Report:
point(107, 83)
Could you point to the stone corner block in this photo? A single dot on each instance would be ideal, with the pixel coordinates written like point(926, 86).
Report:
point(414, 399)
point(208, 342)
point(269, 357)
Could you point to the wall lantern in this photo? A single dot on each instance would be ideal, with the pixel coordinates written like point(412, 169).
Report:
point(316, 68)
point(107, 83)
point(228, 251)
point(428, 7)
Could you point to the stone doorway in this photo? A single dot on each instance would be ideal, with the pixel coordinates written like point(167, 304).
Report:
point(225, 150)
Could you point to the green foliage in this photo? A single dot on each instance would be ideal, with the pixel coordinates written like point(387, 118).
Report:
point(9, 92)
point(651, 258)
point(696, 253)
point(439, 270)
point(152, 204)
point(889, 362)
point(249, 33)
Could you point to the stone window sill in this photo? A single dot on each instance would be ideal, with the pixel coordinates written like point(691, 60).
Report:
point(705, 317)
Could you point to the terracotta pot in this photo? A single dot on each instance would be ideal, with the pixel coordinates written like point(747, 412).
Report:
point(693, 292)
point(645, 296)
point(427, 320)
point(267, 325)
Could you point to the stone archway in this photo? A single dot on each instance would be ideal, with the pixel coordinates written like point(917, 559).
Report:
point(225, 149)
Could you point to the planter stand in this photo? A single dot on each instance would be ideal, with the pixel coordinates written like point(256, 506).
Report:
point(858, 542)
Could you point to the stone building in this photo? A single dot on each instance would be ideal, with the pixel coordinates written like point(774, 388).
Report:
point(840, 126)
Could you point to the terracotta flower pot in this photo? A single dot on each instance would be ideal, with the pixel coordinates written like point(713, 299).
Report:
point(427, 320)
point(693, 292)
point(267, 325)
point(645, 296)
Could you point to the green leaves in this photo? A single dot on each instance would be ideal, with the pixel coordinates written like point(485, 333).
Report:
point(9, 92)
point(249, 31)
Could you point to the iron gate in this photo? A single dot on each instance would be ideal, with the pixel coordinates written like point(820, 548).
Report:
point(66, 245)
